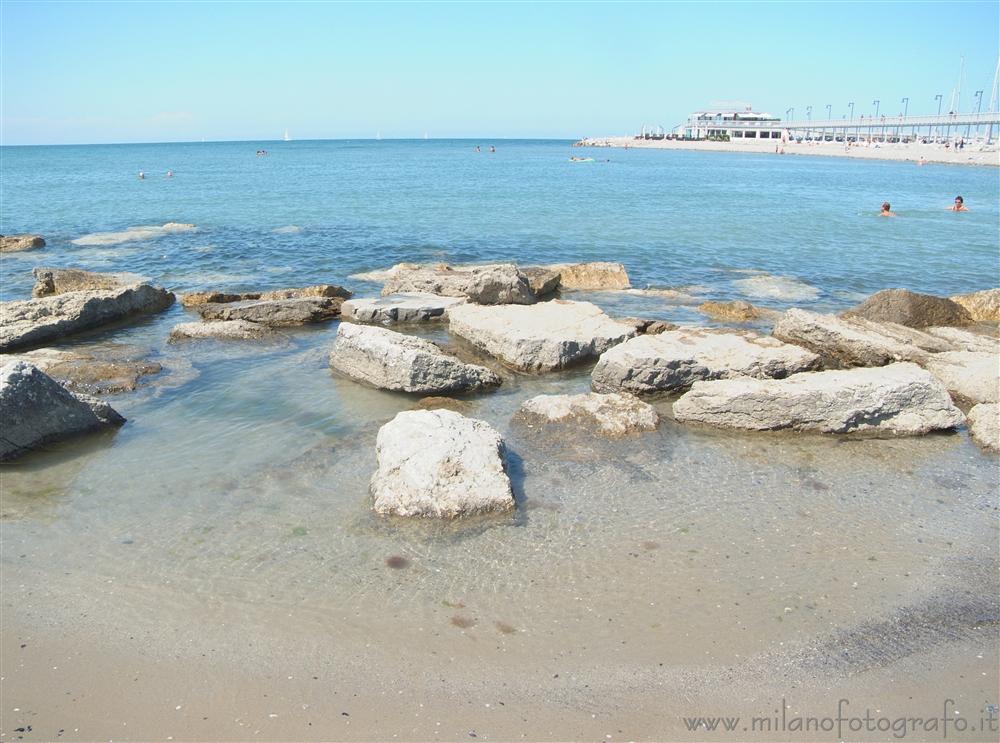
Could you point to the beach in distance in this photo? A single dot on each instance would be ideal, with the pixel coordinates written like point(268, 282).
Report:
point(415, 440)
point(974, 153)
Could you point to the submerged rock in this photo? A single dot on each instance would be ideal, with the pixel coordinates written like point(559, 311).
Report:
point(393, 361)
point(14, 243)
point(50, 281)
point(984, 425)
point(972, 376)
point(735, 311)
point(542, 337)
point(399, 308)
point(613, 415)
point(677, 358)
point(850, 341)
point(597, 275)
point(900, 399)
point(438, 463)
point(913, 310)
point(36, 321)
point(981, 306)
point(36, 410)
point(499, 283)
point(95, 370)
point(228, 330)
point(275, 313)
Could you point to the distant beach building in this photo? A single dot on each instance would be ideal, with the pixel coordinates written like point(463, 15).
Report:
point(730, 124)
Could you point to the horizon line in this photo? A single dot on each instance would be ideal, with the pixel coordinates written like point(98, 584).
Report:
point(308, 139)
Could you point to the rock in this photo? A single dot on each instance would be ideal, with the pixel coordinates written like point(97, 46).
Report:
point(438, 463)
point(14, 243)
point(436, 402)
point(984, 425)
point(36, 321)
point(845, 341)
point(735, 311)
point(584, 276)
point(95, 370)
point(645, 326)
point(676, 359)
point(399, 308)
point(392, 361)
point(275, 313)
point(50, 281)
point(499, 283)
point(36, 410)
point(195, 299)
point(981, 306)
point(913, 310)
point(543, 281)
point(381, 275)
point(612, 415)
point(972, 376)
point(965, 340)
point(227, 330)
point(900, 399)
point(543, 337)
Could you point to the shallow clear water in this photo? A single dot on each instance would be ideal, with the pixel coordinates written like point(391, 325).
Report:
point(238, 488)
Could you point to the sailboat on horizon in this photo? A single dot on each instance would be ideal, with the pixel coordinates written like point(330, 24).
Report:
point(286, 138)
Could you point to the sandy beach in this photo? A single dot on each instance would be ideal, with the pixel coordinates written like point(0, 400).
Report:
point(931, 153)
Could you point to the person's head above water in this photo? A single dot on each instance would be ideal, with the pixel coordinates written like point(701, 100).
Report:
point(959, 205)
point(886, 207)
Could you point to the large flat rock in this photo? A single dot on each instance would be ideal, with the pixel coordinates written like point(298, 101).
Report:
point(223, 330)
point(962, 339)
point(37, 321)
point(855, 341)
point(613, 414)
point(392, 361)
point(499, 283)
point(984, 425)
point(541, 337)
point(973, 376)
point(899, 399)
point(50, 281)
point(330, 291)
point(438, 463)
point(36, 410)
point(275, 313)
point(400, 308)
point(678, 358)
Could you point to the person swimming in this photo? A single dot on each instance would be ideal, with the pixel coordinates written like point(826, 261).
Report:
point(887, 210)
point(492, 148)
point(142, 176)
point(959, 205)
point(170, 174)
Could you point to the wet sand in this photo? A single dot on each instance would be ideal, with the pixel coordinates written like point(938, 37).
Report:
point(932, 153)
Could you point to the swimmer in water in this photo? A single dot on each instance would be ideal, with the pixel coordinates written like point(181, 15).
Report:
point(959, 205)
point(170, 174)
point(887, 210)
point(492, 148)
point(142, 175)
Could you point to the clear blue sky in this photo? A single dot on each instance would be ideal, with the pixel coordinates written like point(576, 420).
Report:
point(148, 71)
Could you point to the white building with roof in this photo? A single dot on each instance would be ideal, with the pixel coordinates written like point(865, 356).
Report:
point(731, 123)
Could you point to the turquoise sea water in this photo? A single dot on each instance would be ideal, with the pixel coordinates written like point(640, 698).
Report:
point(674, 218)
point(230, 516)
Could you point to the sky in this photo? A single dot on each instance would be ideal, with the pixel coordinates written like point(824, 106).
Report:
point(96, 72)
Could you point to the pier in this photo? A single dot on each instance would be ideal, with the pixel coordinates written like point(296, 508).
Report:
point(934, 127)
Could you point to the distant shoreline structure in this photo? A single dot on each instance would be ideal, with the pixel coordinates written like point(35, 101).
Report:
point(901, 151)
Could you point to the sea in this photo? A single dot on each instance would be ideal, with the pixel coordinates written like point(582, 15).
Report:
point(231, 512)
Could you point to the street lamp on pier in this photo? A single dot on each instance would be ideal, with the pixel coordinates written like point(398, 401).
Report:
point(979, 105)
point(809, 118)
point(876, 103)
point(938, 99)
point(906, 108)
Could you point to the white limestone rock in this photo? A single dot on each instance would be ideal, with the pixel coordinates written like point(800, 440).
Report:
point(611, 415)
point(853, 341)
point(974, 376)
point(226, 330)
point(498, 283)
point(393, 361)
point(900, 399)
point(541, 337)
point(678, 358)
point(591, 276)
point(36, 410)
point(400, 308)
point(984, 425)
point(440, 464)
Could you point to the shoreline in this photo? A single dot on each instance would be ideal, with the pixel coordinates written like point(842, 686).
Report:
point(932, 153)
